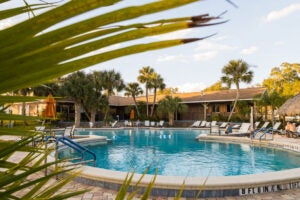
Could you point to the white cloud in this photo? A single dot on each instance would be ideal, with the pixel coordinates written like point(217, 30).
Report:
point(205, 56)
point(278, 14)
point(249, 50)
point(191, 87)
point(178, 58)
point(173, 35)
point(279, 43)
point(207, 45)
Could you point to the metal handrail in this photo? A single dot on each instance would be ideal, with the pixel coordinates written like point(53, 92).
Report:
point(76, 146)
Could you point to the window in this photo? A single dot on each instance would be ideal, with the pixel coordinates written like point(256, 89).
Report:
point(216, 108)
point(229, 107)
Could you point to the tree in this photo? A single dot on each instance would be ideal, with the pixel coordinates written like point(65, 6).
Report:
point(236, 71)
point(77, 87)
point(285, 80)
point(157, 82)
point(95, 99)
point(168, 91)
point(145, 76)
point(111, 81)
point(134, 90)
point(272, 99)
point(171, 105)
point(216, 87)
point(46, 89)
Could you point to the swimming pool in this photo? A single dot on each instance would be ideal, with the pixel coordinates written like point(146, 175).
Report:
point(177, 153)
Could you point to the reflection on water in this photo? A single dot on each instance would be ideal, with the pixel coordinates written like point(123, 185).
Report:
point(177, 153)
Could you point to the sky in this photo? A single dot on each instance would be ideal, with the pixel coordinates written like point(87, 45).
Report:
point(263, 33)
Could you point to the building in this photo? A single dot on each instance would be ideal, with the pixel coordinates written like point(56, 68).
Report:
point(201, 105)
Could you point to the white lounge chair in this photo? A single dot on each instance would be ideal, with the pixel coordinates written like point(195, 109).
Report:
point(244, 129)
point(40, 128)
point(223, 125)
point(114, 124)
point(69, 131)
point(265, 125)
point(152, 123)
point(196, 124)
point(147, 123)
point(203, 124)
point(161, 123)
point(126, 123)
point(256, 124)
point(207, 124)
point(213, 123)
point(236, 126)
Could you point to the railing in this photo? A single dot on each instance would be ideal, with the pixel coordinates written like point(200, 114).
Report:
point(263, 132)
point(77, 147)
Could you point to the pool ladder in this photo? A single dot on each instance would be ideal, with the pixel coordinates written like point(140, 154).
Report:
point(79, 148)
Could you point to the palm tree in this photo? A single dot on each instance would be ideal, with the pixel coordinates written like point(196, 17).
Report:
point(145, 76)
point(134, 90)
point(76, 87)
point(157, 82)
point(171, 105)
point(236, 71)
point(111, 81)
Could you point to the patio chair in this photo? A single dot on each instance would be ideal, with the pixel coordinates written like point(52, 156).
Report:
point(213, 123)
point(256, 124)
point(152, 123)
point(113, 125)
point(236, 126)
point(203, 124)
point(207, 124)
point(223, 125)
point(196, 124)
point(40, 128)
point(243, 130)
point(126, 123)
point(147, 123)
point(68, 132)
point(161, 123)
point(265, 125)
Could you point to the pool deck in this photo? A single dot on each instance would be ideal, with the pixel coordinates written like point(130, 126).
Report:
point(283, 142)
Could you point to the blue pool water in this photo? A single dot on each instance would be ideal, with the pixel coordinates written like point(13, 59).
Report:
point(177, 153)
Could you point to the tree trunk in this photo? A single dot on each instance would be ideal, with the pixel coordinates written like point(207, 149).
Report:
point(147, 100)
point(235, 102)
point(93, 117)
point(136, 107)
point(171, 118)
point(154, 101)
point(24, 112)
point(77, 115)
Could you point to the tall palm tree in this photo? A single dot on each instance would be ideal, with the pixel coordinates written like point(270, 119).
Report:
point(111, 81)
point(171, 105)
point(146, 74)
point(157, 82)
point(236, 71)
point(134, 90)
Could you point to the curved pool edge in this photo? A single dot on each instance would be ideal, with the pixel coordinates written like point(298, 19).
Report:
point(213, 187)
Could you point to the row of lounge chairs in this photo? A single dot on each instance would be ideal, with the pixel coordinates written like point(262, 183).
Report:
point(147, 123)
point(203, 124)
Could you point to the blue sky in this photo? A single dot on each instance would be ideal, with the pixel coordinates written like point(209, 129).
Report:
point(264, 33)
